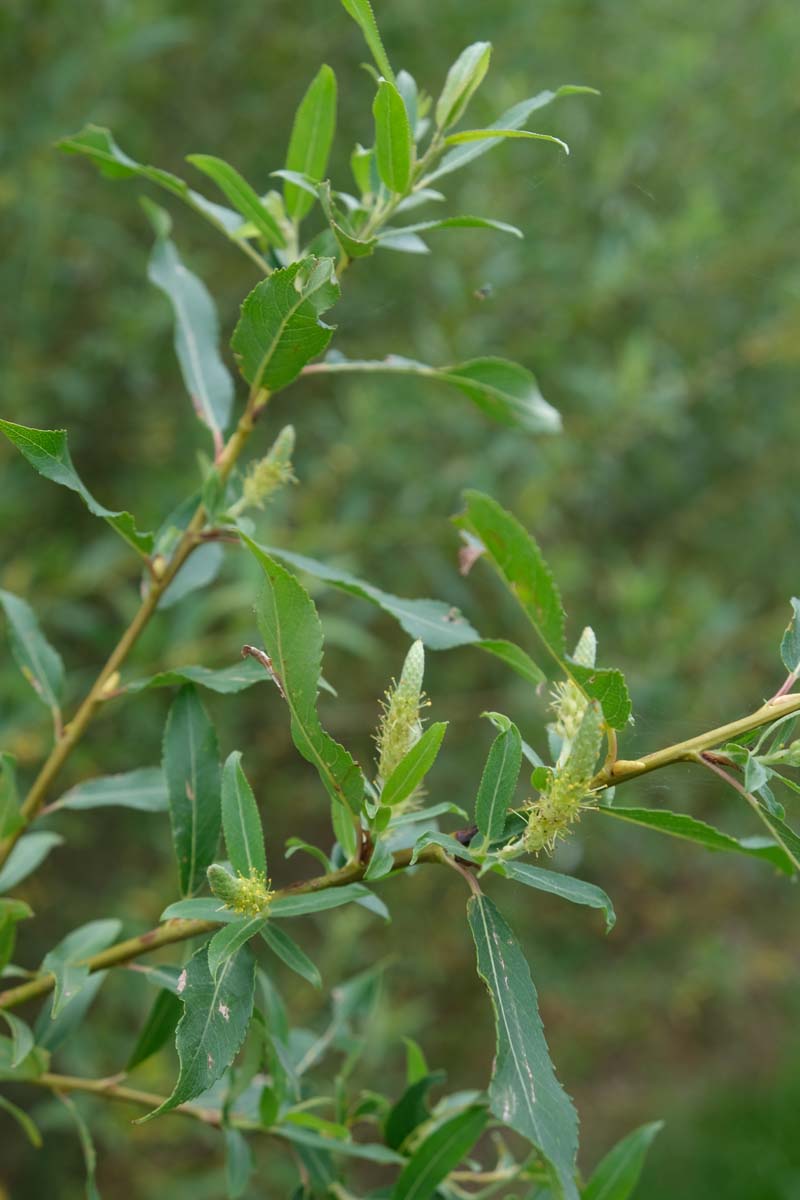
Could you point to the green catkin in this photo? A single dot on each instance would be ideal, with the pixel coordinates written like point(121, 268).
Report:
point(568, 703)
point(249, 895)
point(267, 476)
point(560, 804)
point(400, 725)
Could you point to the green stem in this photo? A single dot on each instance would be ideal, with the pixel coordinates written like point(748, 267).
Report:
point(104, 683)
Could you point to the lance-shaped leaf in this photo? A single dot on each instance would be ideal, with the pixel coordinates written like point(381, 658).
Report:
point(10, 815)
point(414, 766)
point(505, 391)
point(434, 622)
point(566, 886)
point(31, 850)
point(144, 790)
point(681, 825)
point(516, 658)
point(11, 913)
point(215, 1018)
point(362, 14)
point(87, 1145)
point(21, 1037)
point(207, 379)
point(616, 1177)
point(524, 1092)
point(452, 223)
point(499, 779)
point(225, 680)
point(310, 141)
point(292, 635)
point(411, 1110)
point(463, 80)
point(241, 195)
point(479, 135)
point(39, 662)
point(97, 144)
point(514, 118)
point(279, 329)
point(790, 642)
point(241, 824)
point(353, 246)
point(310, 902)
point(394, 143)
point(438, 1154)
point(191, 769)
point(67, 960)
point(28, 1127)
point(518, 560)
point(157, 1029)
point(230, 939)
point(53, 1032)
point(48, 452)
point(289, 952)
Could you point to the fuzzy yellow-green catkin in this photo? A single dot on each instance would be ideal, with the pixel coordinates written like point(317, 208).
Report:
point(265, 477)
point(568, 701)
point(400, 725)
point(250, 895)
point(560, 804)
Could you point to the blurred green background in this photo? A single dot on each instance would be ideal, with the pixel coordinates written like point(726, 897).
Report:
point(657, 298)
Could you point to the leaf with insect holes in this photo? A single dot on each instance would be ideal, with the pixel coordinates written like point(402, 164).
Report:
point(394, 143)
point(241, 824)
point(519, 561)
point(215, 1018)
point(524, 1092)
point(241, 195)
point(504, 390)
point(39, 662)
point(48, 452)
point(292, 635)
point(279, 329)
point(311, 139)
point(191, 770)
point(207, 379)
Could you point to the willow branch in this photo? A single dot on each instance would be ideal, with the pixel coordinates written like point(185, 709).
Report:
point(103, 684)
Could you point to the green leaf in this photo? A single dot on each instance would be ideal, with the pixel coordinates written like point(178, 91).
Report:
point(10, 815)
point(790, 643)
point(478, 135)
point(783, 834)
point(311, 139)
point(617, 1175)
point(225, 680)
point(681, 825)
point(67, 960)
point(498, 782)
point(434, 622)
point(11, 913)
point(27, 1126)
point(238, 1163)
point(524, 1092)
point(513, 118)
point(452, 223)
point(228, 940)
point(411, 1110)
point(48, 452)
point(158, 1028)
point(451, 845)
point(515, 658)
point(566, 886)
point(199, 908)
point(53, 1032)
point(394, 143)
point(241, 195)
point(22, 1039)
point(292, 635)
point(438, 1154)
point(416, 1065)
point(214, 1023)
point(290, 953)
point(279, 329)
point(31, 850)
point(191, 771)
point(39, 662)
point(197, 572)
point(354, 247)
point(87, 1145)
point(362, 14)
point(372, 1152)
point(144, 790)
point(414, 766)
point(241, 824)
point(310, 902)
point(30, 1068)
point(504, 390)
point(207, 379)
point(518, 559)
point(463, 80)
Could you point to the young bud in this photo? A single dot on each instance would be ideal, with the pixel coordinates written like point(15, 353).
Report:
point(250, 895)
point(400, 725)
